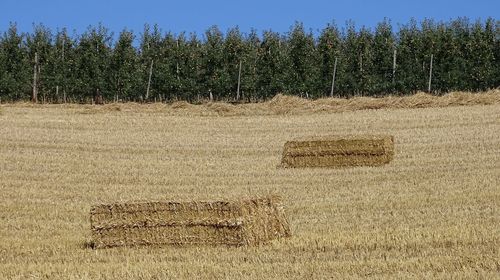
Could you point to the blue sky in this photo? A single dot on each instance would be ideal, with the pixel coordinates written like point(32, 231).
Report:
point(197, 16)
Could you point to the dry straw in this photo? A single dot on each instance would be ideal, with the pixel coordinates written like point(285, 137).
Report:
point(293, 105)
point(339, 151)
point(237, 223)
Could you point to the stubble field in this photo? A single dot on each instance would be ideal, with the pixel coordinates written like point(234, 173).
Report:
point(433, 212)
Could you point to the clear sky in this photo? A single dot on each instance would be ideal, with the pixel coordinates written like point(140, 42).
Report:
point(197, 15)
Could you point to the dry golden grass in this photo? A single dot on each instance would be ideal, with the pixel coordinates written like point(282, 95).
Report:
point(289, 105)
point(433, 212)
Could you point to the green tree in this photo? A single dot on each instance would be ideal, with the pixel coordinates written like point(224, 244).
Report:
point(429, 49)
point(93, 57)
point(459, 31)
point(304, 61)
point(349, 83)
point(213, 61)
point(193, 81)
point(366, 63)
point(167, 78)
point(273, 65)
point(329, 48)
point(411, 70)
point(384, 44)
point(234, 51)
point(61, 66)
point(496, 80)
point(123, 67)
point(40, 43)
point(444, 53)
point(249, 75)
point(181, 68)
point(482, 55)
point(149, 52)
point(15, 67)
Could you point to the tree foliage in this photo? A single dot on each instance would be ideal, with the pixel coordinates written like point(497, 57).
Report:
point(78, 68)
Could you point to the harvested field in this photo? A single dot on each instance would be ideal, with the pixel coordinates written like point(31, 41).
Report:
point(339, 151)
point(237, 223)
point(433, 212)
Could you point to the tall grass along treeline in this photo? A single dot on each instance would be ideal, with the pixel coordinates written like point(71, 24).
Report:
point(56, 66)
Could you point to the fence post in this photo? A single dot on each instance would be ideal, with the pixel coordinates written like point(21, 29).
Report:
point(239, 82)
point(333, 76)
point(177, 62)
point(149, 80)
point(394, 67)
point(34, 98)
point(430, 75)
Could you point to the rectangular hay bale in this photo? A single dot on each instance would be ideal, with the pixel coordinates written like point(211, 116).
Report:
point(339, 151)
point(243, 222)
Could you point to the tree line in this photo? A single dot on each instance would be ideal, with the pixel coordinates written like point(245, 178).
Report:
point(161, 66)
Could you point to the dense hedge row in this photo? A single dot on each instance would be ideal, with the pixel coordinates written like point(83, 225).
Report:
point(466, 56)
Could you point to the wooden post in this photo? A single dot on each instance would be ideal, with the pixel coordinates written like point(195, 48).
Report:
point(39, 70)
point(62, 58)
point(333, 77)
point(430, 75)
point(34, 98)
point(394, 67)
point(239, 82)
point(177, 63)
point(64, 70)
point(57, 93)
point(149, 80)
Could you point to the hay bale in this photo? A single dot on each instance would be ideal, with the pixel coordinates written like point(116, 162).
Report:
point(339, 151)
point(237, 223)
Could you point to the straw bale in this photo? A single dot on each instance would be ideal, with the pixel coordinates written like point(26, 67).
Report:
point(244, 222)
point(339, 151)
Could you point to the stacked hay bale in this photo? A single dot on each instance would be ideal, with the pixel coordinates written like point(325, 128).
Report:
point(339, 151)
point(244, 222)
